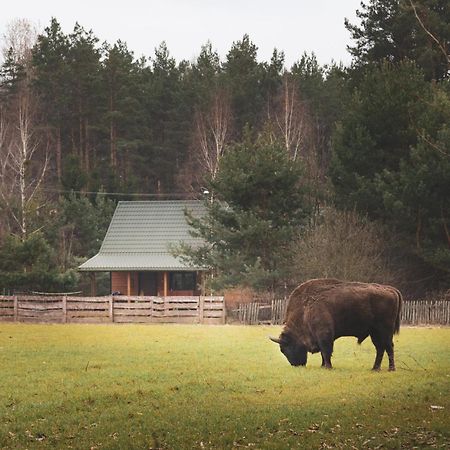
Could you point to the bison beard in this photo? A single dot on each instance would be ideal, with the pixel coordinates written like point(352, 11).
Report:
point(322, 310)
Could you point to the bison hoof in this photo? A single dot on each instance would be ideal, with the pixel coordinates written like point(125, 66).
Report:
point(391, 369)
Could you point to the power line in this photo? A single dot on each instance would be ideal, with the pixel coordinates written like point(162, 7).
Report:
point(133, 194)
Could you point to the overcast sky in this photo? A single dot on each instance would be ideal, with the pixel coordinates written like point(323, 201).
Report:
point(292, 26)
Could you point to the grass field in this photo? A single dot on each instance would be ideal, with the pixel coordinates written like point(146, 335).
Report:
point(187, 387)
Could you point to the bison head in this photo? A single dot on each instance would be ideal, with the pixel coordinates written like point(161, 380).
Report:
point(294, 351)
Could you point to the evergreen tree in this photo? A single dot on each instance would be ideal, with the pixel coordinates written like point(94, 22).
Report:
point(416, 197)
point(391, 158)
point(376, 133)
point(205, 76)
point(324, 94)
point(85, 87)
point(12, 73)
point(31, 265)
point(257, 207)
point(124, 113)
point(77, 228)
point(404, 29)
point(167, 121)
point(52, 85)
point(271, 80)
point(243, 75)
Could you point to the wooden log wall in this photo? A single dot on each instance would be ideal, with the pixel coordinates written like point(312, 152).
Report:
point(118, 309)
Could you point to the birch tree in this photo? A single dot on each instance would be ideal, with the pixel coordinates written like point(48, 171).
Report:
point(18, 40)
point(291, 121)
point(22, 168)
point(212, 133)
point(292, 125)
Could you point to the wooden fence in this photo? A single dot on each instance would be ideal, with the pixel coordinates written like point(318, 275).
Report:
point(413, 313)
point(207, 310)
point(260, 313)
point(118, 309)
point(426, 312)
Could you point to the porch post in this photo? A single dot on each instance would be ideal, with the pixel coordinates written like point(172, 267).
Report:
point(202, 277)
point(128, 283)
point(93, 284)
point(165, 284)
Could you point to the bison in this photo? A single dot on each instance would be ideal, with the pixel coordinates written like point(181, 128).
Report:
point(321, 310)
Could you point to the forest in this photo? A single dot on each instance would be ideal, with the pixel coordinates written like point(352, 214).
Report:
point(307, 171)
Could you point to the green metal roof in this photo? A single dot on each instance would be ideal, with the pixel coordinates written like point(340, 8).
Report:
point(140, 234)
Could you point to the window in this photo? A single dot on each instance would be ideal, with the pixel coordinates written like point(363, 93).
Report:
point(182, 281)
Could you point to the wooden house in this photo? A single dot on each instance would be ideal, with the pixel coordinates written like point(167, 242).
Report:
point(136, 250)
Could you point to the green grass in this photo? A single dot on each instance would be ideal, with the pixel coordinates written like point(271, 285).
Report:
point(183, 387)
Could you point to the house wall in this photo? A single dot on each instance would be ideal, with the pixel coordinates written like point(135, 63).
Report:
point(160, 283)
point(119, 283)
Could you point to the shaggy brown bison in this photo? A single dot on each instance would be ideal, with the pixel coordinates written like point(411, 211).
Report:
point(321, 310)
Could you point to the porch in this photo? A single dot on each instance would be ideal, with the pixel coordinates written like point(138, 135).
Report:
point(155, 283)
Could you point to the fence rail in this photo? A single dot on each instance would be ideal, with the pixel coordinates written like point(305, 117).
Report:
point(207, 310)
point(413, 313)
point(119, 309)
point(256, 313)
point(426, 312)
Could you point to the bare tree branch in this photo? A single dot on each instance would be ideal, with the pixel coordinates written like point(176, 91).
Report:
point(212, 133)
point(290, 117)
point(429, 33)
point(439, 149)
point(19, 38)
point(21, 175)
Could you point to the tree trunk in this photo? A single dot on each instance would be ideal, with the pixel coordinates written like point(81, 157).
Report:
point(58, 154)
point(112, 136)
point(87, 150)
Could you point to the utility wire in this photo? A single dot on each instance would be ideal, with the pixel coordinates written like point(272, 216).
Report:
point(169, 194)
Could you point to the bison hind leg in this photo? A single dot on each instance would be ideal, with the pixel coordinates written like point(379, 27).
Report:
point(326, 350)
point(383, 342)
point(380, 347)
point(390, 352)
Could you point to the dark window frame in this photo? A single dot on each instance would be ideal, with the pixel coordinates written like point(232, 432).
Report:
point(183, 281)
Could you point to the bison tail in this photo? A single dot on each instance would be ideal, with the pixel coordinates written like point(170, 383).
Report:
point(361, 339)
point(399, 311)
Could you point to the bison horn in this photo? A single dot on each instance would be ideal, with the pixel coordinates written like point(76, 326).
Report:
point(276, 340)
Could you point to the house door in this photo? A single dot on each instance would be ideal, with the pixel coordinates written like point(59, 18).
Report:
point(147, 283)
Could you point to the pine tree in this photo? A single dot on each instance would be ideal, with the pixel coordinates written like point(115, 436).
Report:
point(376, 133)
point(395, 30)
point(85, 87)
point(52, 85)
point(257, 207)
point(243, 75)
point(123, 116)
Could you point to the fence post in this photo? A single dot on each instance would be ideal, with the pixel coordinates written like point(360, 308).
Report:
point(201, 309)
point(151, 313)
point(16, 309)
point(111, 308)
point(224, 311)
point(166, 307)
point(64, 309)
